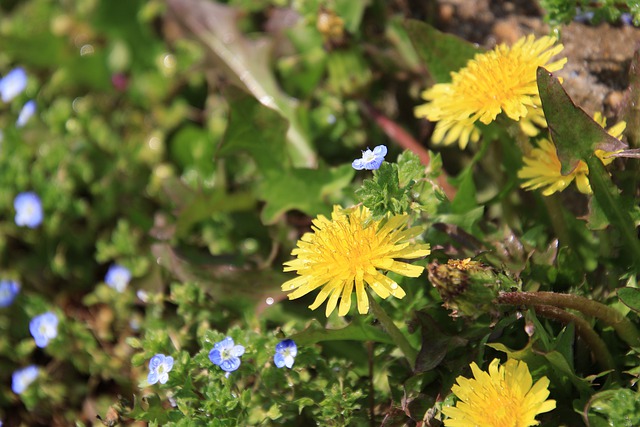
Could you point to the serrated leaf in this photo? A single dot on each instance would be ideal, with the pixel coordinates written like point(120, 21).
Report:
point(442, 53)
point(382, 194)
point(301, 189)
point(410, 168)
point(575, 134)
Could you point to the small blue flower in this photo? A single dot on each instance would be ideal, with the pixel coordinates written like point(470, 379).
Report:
point(27, 111)
point(8, 291)
point(44, 328)
point(370, 160)
point(28, 209)
point(13, 84)
point(118, 277)
point(286, 352)
point(22, 378)
point(159, 368)
point(226, 355)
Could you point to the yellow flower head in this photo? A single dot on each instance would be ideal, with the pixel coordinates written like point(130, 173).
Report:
point(348, 251)
point(542, 167)
point(502, 80)
point(503, 397)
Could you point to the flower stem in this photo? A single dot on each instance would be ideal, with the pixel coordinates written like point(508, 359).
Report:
point(612, 317)
point(396, 335)
point(584, 330)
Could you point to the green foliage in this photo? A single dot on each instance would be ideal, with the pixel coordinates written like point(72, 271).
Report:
point(194, 142)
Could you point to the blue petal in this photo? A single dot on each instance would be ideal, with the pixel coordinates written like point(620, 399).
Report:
point(237, 350)
point(278, 359)
point(380, 151)
point(156, 361)
point(215, 356)
point(152, 378)
point(231, 364)
point(13, 84)
point(8, 291)
point(358, 164)
point(27, 111)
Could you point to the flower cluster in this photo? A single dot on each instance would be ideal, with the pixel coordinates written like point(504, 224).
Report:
point(225, 354)
point(505, 396)
point(348, 252)
point(500, 81)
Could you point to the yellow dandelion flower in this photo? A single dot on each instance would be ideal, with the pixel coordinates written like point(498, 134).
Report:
point(503, 397)
point(502, 80)
point(542, 167)
point(350, 250)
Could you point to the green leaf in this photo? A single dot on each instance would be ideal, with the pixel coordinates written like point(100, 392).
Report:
point(575, 134)
point(410, 168)
point(256, 130)
point(193, 146)
point(630, 112)
point(302, 189)
point(441, 53)
point(355, 331)
point(465, 200)
point(630, 297)
point(577, 137)
point(246, 62)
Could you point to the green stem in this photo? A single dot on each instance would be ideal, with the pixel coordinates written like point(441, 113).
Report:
point(584, 330)
point(396, 335)
point(607, 196)
point(555, 210)
point(612, 317)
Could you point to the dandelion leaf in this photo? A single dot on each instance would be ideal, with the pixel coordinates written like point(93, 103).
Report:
point(575, 134)
point(301, 189)
point(441, 53)
point(245, 62)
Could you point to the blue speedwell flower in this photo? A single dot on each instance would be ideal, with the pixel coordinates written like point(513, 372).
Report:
point(44, 328)
point(8, 291)
point(370, 160)
point(27, 111)
point(13, 84)
point(159, 368)
point(28, 209)
point(22, 378)
point(226, 354)
point(286, 352)
point(118, 277)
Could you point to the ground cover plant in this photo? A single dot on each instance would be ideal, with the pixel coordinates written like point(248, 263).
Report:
point(322, 212)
